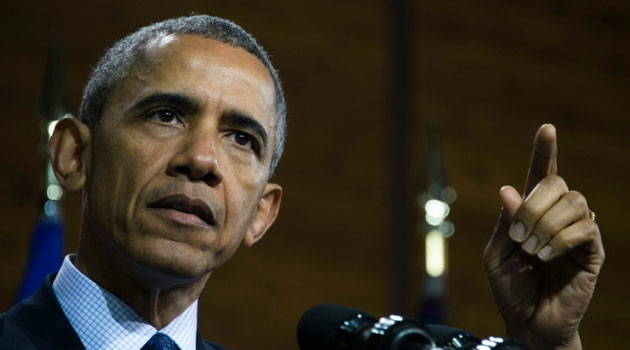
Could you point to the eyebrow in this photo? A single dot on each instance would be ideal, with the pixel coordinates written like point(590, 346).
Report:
point(245, 121)
point(173, 99)
point(234, 117)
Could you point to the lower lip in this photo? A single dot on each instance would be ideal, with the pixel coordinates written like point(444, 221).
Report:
point(181, 217)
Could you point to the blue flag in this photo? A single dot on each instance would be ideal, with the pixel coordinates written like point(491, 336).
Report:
point(45, 255)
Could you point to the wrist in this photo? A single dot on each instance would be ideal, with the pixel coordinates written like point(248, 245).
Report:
point(537, 341)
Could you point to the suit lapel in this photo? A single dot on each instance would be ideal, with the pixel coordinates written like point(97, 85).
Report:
point(38, 323)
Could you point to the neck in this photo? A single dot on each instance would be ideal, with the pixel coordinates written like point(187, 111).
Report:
point(156, 299)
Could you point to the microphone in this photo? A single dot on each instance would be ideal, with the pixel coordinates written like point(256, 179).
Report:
point(334, 327)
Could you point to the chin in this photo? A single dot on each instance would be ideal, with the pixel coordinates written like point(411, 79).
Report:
point(170, 263)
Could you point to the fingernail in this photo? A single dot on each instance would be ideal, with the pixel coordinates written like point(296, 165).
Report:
point(517, 231)
point(545, 252)
point(530, 244)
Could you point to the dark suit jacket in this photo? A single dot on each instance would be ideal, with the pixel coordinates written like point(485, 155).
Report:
point(39, 323)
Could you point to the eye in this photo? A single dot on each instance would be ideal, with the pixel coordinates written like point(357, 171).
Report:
point(245, 140)
point(165, 116)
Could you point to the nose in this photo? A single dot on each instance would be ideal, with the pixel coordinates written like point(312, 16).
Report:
point(197, 159)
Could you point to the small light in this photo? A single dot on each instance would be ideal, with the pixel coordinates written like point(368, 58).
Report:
point(434, 253)
point(436, 208)
point(447, 228)
point(54, 192)
point(50, 208)
point(436, 211)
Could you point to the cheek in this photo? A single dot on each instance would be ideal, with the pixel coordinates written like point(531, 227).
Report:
point(241, 203)
point(242, 160)
point(120, 172)
point(244, 178)
point(246, 173)
point(105, 193)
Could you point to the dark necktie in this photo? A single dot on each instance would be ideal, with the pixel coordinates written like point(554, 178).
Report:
point(160, 342)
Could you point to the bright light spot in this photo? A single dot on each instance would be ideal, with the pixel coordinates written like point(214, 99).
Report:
point(386, 321)
point(436, 211)
point(54, 192)
point(51, 127)
point(434, 245)
point(432, 220)
point(436, 208)
point(482, 347)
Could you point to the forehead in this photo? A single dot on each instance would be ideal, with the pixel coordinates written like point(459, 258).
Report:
point(214, 73)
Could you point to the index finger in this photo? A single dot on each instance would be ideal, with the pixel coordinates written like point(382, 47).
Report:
point(544, 161)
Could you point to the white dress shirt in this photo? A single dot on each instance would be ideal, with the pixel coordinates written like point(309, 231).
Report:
point(103, 321)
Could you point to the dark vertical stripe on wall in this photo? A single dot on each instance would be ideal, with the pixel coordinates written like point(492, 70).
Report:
point(397, 130)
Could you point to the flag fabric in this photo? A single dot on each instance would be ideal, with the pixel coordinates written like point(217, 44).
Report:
point(45, 256)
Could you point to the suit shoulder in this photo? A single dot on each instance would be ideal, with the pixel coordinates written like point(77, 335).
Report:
point(1, 324)
point(215, 346)
point(37, 322)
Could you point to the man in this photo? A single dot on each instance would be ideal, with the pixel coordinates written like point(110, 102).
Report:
point(180, 128)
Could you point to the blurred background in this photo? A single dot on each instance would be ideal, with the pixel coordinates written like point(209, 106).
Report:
point(374, 89)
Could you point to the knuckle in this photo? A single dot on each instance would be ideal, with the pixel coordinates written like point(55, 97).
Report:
point(556, 181)
point(569, 241)
point(575, 198)
point(545, 228)
point(591, 228)
point(560, 243)
point(528, 213)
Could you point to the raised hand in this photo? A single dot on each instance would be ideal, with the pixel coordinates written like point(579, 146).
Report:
point(544, 255)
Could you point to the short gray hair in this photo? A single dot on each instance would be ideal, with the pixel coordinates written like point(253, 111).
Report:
point(120, 59)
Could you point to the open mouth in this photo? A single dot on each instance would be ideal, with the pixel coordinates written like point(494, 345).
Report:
point(185, 209)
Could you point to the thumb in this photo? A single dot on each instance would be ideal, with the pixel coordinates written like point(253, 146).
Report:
point(501, 245)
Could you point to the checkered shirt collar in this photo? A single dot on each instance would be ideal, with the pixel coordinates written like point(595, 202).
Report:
point(103, 321)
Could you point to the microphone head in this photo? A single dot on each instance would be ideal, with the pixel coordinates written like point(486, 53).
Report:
point(326, 326)
point(445, 335)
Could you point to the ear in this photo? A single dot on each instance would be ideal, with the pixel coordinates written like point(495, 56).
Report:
point(69, 152)
point(268, 208)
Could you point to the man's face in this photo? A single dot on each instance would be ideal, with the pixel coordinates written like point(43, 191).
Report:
point(181, 159)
